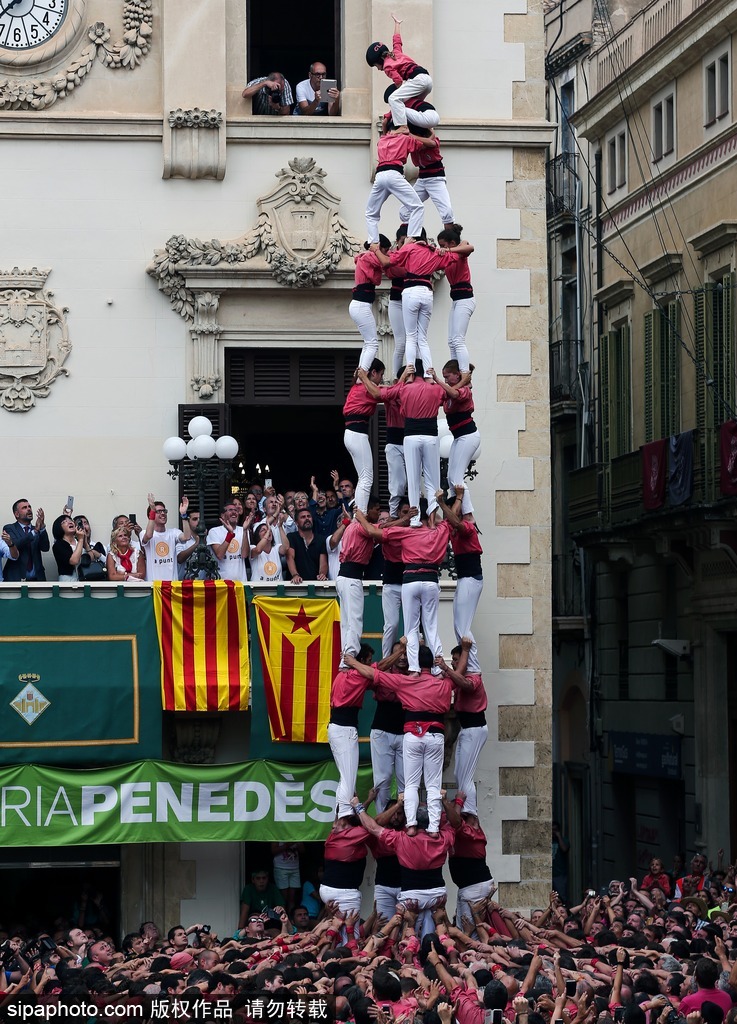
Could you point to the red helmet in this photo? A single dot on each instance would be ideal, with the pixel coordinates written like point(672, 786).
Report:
point(376, 53)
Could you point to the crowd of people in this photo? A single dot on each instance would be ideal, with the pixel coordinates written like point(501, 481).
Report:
point(655, 952)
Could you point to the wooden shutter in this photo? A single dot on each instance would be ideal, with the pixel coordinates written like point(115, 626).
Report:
point(670, 374)
point(217, 487)
point(651, 319)
point(625, 390)
point(703, 373)
point(604, 396)
point(727, 361)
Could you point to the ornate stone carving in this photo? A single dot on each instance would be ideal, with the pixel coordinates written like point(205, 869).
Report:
point(195, 118)
point(206, 377)
point(41, 93)
point(34, 340)
point(299, 234)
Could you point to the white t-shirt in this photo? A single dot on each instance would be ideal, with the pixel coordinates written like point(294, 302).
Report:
point(333, 558)
point(266, 566)
point(161, 555)
point(233, 566)
point(306, 94)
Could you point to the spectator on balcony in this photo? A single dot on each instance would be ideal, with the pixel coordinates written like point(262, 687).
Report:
point(68, 547)
point(124, 561)
point(307, 557)
point(94, 554)
point(309, 98)
point(269, 545)
point(227, 543)
point(133, 528)
point(160, 543)
point(8, 550)
point(270, 94)
point(184, 551)
point(31, 539)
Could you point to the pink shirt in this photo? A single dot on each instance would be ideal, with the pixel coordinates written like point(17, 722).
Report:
point(368, 268)
point(419, 852)
point(465, 540)
point(348, 845)
point(464, 402)
point(357, 545)
point(421, 259)
point(400, 66)
point(421, 544)
point(394, 149)
point(391, 397)
point(421, 399)
point(472, 700)
point(359, 402)
point(423, 693)
point(348, 689)
point(470, 841)
point(458, 272)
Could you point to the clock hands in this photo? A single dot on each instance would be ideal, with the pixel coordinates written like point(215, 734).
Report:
point(10, 6)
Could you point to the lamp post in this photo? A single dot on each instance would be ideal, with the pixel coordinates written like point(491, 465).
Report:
point(200, 461)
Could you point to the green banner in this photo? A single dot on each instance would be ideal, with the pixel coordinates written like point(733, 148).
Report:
point(160, 802)
point(79, 679)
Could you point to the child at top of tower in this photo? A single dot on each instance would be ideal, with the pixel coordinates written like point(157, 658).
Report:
point(412, 79)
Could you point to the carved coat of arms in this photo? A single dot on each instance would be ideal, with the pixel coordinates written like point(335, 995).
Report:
point(34, 341)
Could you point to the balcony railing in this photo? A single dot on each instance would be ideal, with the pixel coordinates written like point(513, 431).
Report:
point(560, 180)
point(563, 369)
point(625, 488)
point(586, 504)
point(567, 601)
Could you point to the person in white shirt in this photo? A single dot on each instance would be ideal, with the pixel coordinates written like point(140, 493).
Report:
point(226, 542)
point(309, 100)
point(159, 543)
point(270, 545)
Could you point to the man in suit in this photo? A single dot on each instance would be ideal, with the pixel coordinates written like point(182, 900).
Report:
point(30, 539)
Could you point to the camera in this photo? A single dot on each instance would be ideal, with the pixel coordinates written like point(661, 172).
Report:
point(591, 892)
point(206, 929)
point(275, 96)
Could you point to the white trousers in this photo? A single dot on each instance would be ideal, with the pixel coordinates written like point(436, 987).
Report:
point(469, 745)
point(423, 118)
point(350, 593)
point(420, 85)
point(422, 461)
point(387, 897)
point(391, 605)
point(426, 899)
point(417, 310)
point(472, 894)
point(396, 319)
point(362, 315)
point(461, 311)
point(394, 455)
point(386, 761)
point(423, 759)
point(358, 447)
point(343, 740)
point(393, 183)
point(420, 599)
point(348, 900)
point(435, 189)
point(463, 451)
point(465, 602)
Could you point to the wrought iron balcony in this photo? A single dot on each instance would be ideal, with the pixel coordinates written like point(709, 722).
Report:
point(563, 370)
point(560, 180)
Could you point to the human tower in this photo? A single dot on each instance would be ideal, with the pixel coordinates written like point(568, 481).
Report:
point(413, 686)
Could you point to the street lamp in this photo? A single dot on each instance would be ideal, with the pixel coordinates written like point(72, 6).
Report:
point(200, 461)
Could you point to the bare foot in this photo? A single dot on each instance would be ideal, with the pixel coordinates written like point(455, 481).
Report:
point(411, 830)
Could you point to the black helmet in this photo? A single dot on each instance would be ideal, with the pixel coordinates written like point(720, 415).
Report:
point(376, 53)
point(388, 91)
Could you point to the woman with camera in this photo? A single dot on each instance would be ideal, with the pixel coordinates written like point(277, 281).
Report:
point(68, 547)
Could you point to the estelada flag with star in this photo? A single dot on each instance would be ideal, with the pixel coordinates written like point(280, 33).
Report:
point(299, 642)
point(203, 639)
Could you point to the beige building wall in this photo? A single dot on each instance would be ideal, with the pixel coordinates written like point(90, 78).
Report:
point(98, 180)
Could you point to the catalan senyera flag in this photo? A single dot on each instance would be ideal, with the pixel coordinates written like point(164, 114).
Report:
point(299, 642)
point(203, 639)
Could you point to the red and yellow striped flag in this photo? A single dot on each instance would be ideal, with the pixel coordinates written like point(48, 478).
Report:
point(203, 638)
point(300, 651)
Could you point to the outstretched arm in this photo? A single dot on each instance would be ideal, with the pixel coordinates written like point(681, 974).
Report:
point(448, 512)
point(366, 670)
point(460, 681)
point(366, 820)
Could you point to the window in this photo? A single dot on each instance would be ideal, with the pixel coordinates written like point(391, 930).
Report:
point(567, 109)
point(617, 160)
point(664, 129)
point(615, 378)
point(715, 359)
point(662, 372)
point(289, 36)
point(716, 87)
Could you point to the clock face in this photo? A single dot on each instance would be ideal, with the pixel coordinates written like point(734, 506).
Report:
point(25, 24)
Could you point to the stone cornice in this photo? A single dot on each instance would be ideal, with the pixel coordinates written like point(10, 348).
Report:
point(682, 48)
point(147, 127)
